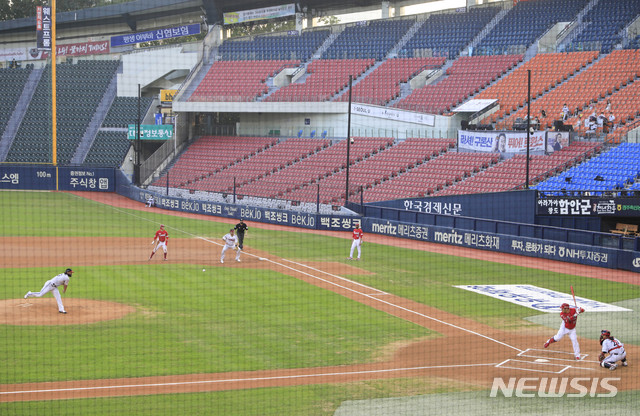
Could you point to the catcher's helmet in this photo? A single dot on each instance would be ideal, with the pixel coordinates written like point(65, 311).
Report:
point(564, 305)
point(605, 332)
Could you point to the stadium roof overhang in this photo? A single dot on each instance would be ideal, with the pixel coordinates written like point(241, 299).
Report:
point(133, 12)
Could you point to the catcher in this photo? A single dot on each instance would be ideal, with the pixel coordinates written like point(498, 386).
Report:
point(614, 348)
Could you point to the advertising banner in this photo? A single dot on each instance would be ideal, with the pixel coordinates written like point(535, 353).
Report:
point(152, 131)
point(503, 142)
point(524, 246)
point(82, 48)
point(393, 114)
point(589, 206)
point(43, 28)
point(19, 54)
point(259, 14)
point(22, 177)
point(86, 179)
point(61, 178)
point(540, 299)
point(159, 34)
point(166, 96)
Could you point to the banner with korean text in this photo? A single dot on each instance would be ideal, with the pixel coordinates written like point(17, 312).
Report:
point(43, 28)
point(152, 35)
point(259, 14)
point(503, 142)
point(152, 131)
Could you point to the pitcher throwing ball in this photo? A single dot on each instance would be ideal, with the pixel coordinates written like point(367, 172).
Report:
point(52, 286)
point(569, 316)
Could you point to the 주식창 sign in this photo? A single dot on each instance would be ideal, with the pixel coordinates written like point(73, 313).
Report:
point(152, 132)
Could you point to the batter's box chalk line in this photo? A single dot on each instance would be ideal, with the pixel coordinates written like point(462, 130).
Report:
point(544, 367)
point(553, 355)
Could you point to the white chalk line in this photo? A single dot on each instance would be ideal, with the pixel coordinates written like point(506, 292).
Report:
point(379, 292)
point(243, 380)
point(370, 296)
point(402, 308)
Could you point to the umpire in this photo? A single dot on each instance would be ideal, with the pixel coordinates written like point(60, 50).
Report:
point(241, 228)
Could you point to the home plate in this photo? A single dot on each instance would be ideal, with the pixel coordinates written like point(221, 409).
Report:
point(541, 360)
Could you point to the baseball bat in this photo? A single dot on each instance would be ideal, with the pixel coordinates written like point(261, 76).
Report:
point(574, 297)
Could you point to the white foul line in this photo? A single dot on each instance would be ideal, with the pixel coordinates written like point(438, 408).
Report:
point(236, 380)
point(380, 292)
point(384, 301)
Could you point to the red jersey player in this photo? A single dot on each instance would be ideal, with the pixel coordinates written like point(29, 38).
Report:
point(162, 238)
point(357, 241)
point(569, 316)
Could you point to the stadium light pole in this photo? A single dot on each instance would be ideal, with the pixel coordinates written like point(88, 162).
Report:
point(54, 82)
point(526, 184)
point(346, 194)
point(136, 168)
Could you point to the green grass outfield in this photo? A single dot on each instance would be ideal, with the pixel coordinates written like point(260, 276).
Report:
point(237, 319)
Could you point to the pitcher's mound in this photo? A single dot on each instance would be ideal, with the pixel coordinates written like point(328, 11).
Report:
point(44, 311)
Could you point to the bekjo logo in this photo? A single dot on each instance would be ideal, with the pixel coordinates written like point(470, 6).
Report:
point(554, 387)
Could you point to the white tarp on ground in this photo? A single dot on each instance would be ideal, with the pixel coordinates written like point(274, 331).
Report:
point(538, 298)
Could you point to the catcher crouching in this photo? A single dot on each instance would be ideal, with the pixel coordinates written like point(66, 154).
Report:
point(612, 351)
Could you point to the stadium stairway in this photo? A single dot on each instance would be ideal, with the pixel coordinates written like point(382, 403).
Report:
point(303, 66)
point(502, 121)
point(485, 31)
point(18, 114)
point(393, 53)
point(579, 27)
point(96, 121)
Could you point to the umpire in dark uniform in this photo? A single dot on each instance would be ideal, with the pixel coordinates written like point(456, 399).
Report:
point(241, 228)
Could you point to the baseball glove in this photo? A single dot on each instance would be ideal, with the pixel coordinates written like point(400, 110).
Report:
point(601, 357)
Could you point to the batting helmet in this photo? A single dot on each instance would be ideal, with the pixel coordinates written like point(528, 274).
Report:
point(564, 305)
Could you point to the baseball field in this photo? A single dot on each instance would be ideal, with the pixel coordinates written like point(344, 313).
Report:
point(294, 328)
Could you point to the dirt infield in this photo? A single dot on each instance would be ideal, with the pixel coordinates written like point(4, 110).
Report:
point(468, 351)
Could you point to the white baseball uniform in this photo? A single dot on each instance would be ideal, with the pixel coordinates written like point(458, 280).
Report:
point(615, 349)
point(52, 286)
point(230, 242)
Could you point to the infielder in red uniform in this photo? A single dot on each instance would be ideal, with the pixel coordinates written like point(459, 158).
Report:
point(357, 242)
point(162, 238)
point(569, 316)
